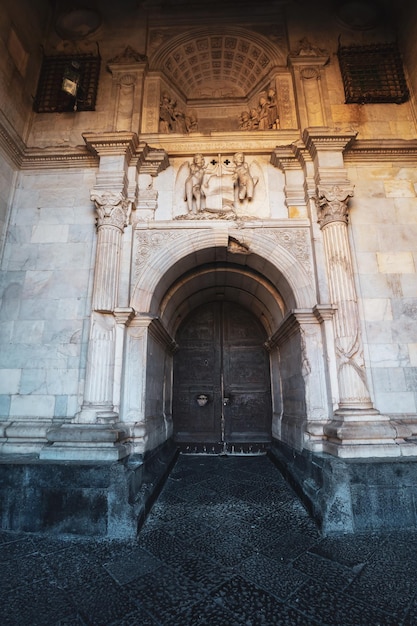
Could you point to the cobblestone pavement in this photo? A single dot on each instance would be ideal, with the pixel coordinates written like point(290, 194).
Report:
point(226, 544)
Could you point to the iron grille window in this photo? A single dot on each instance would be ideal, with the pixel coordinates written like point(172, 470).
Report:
point(373, 74)
point(50, 97)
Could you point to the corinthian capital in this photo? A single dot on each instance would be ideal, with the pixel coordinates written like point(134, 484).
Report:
point(112, 208)
point(332, 204)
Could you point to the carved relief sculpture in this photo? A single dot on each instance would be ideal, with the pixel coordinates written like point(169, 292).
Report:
point(218, 187)
point(244, 184)
point(172, 119)
point(264, 116)
point(194, 184)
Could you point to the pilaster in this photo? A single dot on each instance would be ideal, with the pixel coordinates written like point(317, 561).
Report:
point(307, 324)
point(128, 71)
point(295, 197)
point(308, 63)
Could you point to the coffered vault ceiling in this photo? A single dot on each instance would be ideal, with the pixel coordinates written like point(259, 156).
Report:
point(206, 64)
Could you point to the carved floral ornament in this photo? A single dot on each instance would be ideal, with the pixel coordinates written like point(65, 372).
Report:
point(112, 209)
point(332, 204)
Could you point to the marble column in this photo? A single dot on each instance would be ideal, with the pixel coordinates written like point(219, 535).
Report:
point(357, 428)
point(332, 216)
point(112, 217)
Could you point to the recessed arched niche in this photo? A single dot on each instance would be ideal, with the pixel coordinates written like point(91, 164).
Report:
point(216, 80)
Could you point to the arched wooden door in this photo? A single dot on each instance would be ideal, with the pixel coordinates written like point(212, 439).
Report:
point(222, 390)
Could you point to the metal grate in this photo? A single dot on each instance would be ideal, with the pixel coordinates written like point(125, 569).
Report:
point(373, 74)
point(50, 98)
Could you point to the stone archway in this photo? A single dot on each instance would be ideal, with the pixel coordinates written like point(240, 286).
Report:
point(178, 271)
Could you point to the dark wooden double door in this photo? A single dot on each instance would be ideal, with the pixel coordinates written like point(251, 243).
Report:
point(222, 392)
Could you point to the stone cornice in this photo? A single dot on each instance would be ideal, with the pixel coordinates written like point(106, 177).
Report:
point(279, 144)
point(288, 327)
point(58, 158)
point(156, 329)
point(300, 62)
point(284, 158)
point(112, 143)
point(382, 150)
point(254, 142)
point(151, 160)
point(326, 140)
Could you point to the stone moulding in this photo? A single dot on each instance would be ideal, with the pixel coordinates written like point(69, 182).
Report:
point(381, 150)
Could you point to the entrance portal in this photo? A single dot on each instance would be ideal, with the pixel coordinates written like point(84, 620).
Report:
point(222, 391)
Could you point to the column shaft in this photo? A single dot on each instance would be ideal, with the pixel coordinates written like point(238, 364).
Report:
point(351, 368)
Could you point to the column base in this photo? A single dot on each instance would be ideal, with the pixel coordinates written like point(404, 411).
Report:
point(97, 413)
point(86, 442)
point(355, 433)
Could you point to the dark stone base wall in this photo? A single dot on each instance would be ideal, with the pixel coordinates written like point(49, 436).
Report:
point(85, 499)
point(346, 496)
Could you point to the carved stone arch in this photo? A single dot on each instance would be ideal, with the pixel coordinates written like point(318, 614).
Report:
point(164, 255)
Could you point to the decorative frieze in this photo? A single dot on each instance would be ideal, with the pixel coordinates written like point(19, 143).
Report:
point(296, 241)
point(149, 243)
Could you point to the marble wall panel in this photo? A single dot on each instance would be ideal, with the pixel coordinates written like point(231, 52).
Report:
point(10, 381)
point(395, 188)
point(389, 379)
point(32, 406)
point(397, 402)
point(404, 330)
point(367, 261)
point(155, 378)
point(20, 256)
point(376, 309)
point(411, 378)
point(406, 210)
point(364, 239)
point(397, 237)
point(379, 331)
point(61, 406)
point(396, 262)
point(31, 355)
point(38, 308)
point(10, 292)
point(365, 209)
point(55, 382)
point(7, 177)
point(57, 284)
point(5, 401)
point(405, 307)
point(28, 331)
point(389, 355)
point(83, 233)
point(412, 350)
point(378, 286)
point(53, 256)
point(6, 331)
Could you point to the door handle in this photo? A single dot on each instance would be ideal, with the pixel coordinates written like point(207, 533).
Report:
point(226, 401)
